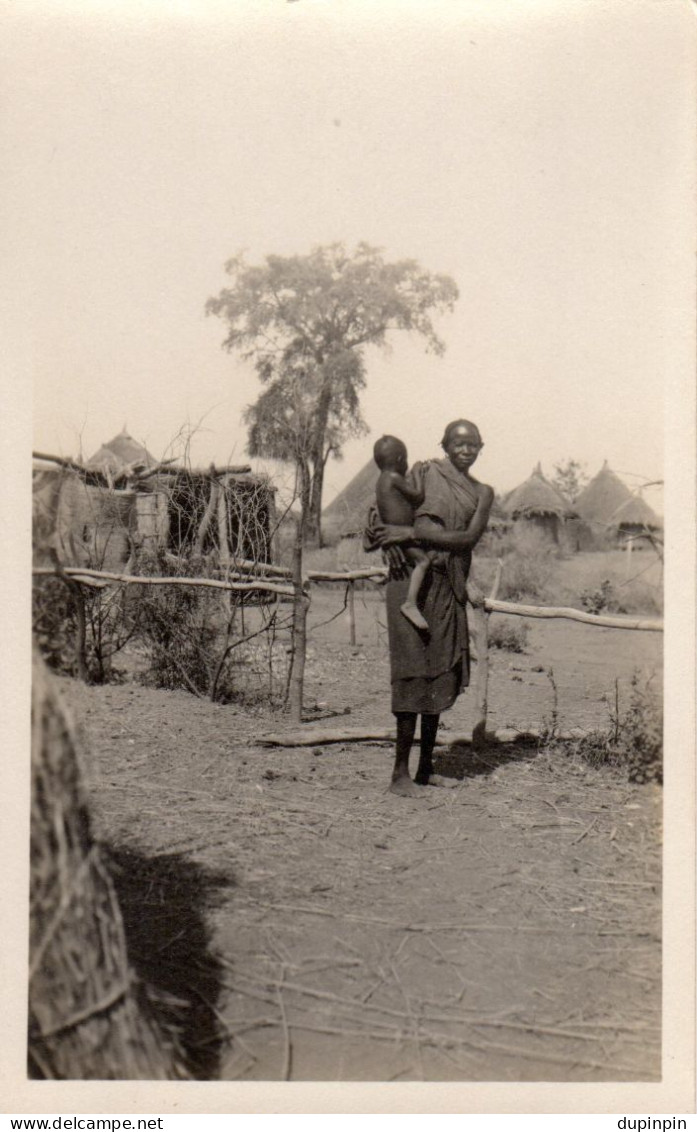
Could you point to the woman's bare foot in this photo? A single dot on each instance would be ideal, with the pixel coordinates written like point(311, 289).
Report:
point(412, 613)
point(405, 787)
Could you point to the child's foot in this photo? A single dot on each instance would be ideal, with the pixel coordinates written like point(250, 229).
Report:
point(413, 614)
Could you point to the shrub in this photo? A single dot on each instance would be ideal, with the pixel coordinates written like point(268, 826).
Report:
point(508, 636)
point(108, 628)
point(601, 599)
point(641, 732)
point(178, 625)
point(54, 624)
point(194, 637)
point(634, 741)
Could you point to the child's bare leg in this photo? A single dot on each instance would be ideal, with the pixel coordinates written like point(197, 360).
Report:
point(410, 609)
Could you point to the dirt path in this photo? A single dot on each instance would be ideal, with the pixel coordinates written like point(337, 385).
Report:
point(507, 929)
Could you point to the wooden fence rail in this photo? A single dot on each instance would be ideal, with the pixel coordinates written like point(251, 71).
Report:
point(241, 581)
point(569, 614)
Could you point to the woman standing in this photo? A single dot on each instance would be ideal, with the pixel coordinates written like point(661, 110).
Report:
point(430, 668)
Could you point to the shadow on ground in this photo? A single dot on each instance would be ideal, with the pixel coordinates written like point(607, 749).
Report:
point(163, 902)
point(460, 760)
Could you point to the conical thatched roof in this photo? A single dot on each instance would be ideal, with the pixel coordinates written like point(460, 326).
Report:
point(536, 496)
point(601, 498)
point(346, 515)
point(121, 452)
point(635, 512)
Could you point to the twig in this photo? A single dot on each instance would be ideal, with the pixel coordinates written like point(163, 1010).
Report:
point(287, 1044)
point(585, 832)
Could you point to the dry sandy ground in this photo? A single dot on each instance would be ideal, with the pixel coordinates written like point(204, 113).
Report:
point(322, 928)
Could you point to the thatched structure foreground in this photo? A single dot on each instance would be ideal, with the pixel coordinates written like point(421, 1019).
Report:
point(87, 1014)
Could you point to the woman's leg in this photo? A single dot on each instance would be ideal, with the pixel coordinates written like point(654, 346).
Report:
point(429, 729)
point(406, 727)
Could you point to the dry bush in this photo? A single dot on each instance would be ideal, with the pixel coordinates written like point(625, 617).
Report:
point(633, 743)
point(54, 624)
point(178, 625)
point(202, 639)
point(109, 627)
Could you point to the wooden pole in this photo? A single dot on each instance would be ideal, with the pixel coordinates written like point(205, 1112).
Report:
point(628, 558)
point(312, 736)
point(81, 631)
point(481, 636)
point(210, 511)
point(301, 604)
point(351, 601)
point(223, 527)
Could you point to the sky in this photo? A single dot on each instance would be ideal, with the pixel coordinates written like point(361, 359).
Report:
point(537, 152)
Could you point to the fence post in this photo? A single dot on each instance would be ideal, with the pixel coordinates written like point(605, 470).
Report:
point(301, 604)
point(351, 600)
point(481, 636)
point(628, 558)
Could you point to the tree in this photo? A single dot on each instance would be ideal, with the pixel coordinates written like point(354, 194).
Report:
point(570, 479)
point(306, 322)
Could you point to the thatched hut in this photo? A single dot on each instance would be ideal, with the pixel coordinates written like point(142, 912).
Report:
point(612, 512)
point(634, 519)
point(537, 505)
point(344, 520)
point(121, 452)
point(601, 498)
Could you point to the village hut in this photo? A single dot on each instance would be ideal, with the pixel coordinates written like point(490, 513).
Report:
point(599, 501)
point(344, 520)
point(602, 496)
point(537, 505)
point(634, 520)
point(121, 452)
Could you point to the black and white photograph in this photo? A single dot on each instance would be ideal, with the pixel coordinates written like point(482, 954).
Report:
point(357, 403)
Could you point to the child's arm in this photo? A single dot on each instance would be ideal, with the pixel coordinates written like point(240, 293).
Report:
point(413, 495)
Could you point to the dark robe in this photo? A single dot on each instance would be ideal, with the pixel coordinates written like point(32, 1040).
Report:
point(429, 670)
